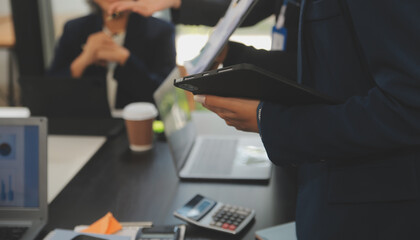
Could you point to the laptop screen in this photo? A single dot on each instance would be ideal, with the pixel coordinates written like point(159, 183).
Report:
point(65, 97)
point(174, 111)
point(19, 163)
point(173, 106)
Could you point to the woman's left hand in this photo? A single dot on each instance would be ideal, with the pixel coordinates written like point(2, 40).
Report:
point(143, 7)
point(113, 53)
point(237, 112)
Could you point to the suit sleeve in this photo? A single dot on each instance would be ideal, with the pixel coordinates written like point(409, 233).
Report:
point(66, 51)
point(200, 12)
point(386, 119)
point(208, 12)
point(279, 62)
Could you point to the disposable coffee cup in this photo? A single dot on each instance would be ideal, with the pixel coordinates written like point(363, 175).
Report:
point(139, 119)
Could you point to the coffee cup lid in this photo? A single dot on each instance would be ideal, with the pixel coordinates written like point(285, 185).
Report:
point(14, 112)
point(139, 111)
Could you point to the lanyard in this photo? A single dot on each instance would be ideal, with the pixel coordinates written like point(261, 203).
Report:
point(279, 32)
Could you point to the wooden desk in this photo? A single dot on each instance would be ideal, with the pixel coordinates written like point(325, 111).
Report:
point(7, 40)
point(144, 187)
point(7, 34)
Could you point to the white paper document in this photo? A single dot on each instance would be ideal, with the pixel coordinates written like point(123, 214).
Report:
point(220, 35)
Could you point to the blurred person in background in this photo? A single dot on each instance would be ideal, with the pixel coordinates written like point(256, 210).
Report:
point(131, 52)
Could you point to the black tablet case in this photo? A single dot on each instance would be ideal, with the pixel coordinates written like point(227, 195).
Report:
point(248, 81)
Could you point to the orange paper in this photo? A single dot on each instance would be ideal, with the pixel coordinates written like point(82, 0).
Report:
point(106, 225)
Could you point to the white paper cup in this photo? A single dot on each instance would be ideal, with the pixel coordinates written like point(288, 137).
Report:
point(139, 119)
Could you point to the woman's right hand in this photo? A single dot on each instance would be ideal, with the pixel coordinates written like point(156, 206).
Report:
point(94, 44)
point(143, 7)
point(89, 55)
point(221, 58)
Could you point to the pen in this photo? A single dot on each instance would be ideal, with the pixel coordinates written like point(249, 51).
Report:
point(136, 224)
point(114, 16)
point(176, 231)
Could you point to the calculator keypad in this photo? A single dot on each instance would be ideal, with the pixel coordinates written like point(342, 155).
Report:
point(229, 217)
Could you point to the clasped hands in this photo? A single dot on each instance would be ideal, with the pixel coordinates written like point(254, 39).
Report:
point(101, 49)
point(144, 7)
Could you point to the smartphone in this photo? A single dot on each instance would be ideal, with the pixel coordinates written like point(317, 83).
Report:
point(86, 237)
point(165, 232)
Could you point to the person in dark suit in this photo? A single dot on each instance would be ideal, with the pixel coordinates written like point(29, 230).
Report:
point(358, 162)
point(130, 50)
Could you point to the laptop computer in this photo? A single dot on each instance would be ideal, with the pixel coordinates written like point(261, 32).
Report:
point(62, 97)
point(74, 106)
point(204, 147)
point(23, 177)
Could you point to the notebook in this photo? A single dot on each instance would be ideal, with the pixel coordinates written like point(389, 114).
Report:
point(23, 177)
point(203, 146)
point(285, 231)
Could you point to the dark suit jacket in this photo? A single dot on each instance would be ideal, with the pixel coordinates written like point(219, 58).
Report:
point(208, 12)
point(358, 162)
point(152, 55)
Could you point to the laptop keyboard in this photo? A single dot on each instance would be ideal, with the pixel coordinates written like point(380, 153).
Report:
point(12, 233)
point(216, 156)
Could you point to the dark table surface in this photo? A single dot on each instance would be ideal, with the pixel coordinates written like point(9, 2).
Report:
point(145, 187)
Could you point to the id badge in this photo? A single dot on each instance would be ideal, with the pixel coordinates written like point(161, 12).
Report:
point(279, 32)
point(278, 38)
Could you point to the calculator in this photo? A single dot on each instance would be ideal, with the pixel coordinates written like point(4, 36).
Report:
point(208, 213)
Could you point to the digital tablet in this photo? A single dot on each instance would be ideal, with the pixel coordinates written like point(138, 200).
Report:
point(249, 81)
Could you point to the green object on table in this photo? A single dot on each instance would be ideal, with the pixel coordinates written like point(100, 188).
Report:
point(158, 126)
